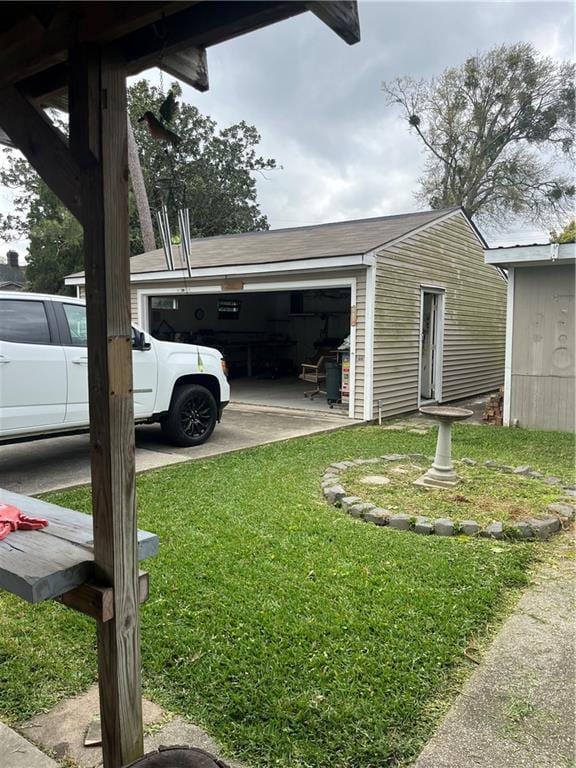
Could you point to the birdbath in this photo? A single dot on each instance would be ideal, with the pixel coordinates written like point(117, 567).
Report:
point(441, 474)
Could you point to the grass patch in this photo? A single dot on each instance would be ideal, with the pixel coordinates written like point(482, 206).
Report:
point(483, 495)
point(294, 634)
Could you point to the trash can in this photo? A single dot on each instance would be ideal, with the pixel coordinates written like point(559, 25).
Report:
point(333, 381)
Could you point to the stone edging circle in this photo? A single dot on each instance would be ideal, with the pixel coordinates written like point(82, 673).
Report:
point(335, 493)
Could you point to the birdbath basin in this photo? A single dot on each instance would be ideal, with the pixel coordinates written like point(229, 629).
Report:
point(441, 474)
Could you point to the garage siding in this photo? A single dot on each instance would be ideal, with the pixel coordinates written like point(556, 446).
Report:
point(445, 255)
point(360, 276)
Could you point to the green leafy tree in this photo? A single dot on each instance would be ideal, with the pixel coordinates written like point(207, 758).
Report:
point(54, 234)
point(211, 171)
point(567, 235)
point(494, 130)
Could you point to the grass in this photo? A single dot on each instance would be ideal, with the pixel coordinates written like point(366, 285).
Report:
point(483, 495)
point(294, 634)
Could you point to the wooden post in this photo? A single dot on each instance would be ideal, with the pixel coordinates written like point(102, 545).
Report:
point(98, 140)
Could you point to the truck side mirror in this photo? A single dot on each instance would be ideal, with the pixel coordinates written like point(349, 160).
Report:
point(139, 340)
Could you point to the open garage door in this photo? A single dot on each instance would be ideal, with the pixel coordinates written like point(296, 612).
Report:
point(283, 348)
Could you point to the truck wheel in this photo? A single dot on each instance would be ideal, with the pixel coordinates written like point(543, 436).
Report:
point(192, 416)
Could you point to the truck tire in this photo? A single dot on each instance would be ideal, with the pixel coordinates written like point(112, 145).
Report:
point(192, 416)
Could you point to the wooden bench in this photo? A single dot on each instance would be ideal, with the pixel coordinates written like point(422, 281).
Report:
point(58, 561)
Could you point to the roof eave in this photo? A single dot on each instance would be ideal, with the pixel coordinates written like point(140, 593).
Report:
point(531, 255)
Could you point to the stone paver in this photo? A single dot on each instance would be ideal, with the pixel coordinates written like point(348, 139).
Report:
point(62, 730)
point(17, 752)
point(517, 709)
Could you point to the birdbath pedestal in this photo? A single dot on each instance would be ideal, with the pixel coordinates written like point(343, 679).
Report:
point(441, 474)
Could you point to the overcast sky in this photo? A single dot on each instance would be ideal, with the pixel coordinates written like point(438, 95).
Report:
point(318, 105)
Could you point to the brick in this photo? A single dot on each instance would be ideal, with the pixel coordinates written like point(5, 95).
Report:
point(334, 494)
point(566, 511)
point(347, 501)
point(469, 527)
point(551, 480)
point(359, 510)
point(400, 522)
point(493, 531)
point(544, 528)
point(423, 526)
point(444, 527)
point(378, 516)
point(522, 530)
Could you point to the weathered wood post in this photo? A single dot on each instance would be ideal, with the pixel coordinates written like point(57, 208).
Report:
point(98, 140)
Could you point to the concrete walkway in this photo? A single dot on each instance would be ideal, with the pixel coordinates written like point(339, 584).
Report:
point(518, 708)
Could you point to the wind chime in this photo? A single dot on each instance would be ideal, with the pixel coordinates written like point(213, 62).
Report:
point(159, 130)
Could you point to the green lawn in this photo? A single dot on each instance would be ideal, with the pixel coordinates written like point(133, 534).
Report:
point(295, 634)
point(474, 498)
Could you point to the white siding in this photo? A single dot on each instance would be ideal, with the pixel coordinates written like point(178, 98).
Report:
point(447, 255)
point(543, 373)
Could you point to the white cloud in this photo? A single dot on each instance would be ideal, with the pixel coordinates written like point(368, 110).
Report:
point(318, 105)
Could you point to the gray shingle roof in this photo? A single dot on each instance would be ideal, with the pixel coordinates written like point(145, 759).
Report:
point(345, 238)
point(10, 274)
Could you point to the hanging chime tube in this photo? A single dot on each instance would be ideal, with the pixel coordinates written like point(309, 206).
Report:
point(166, 236)
point(184, 224)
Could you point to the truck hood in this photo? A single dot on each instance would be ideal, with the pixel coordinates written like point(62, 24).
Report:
point(173, 347)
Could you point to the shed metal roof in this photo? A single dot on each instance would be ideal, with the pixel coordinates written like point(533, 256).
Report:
point(531, 255)
point(344, 238)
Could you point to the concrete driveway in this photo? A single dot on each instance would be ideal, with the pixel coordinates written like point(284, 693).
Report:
point(60, 462)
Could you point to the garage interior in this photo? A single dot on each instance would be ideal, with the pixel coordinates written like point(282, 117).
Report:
point(280, 346)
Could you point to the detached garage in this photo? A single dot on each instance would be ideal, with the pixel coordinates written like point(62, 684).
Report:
point(393, 311)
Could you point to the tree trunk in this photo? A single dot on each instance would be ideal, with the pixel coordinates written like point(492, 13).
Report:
point(140, 194)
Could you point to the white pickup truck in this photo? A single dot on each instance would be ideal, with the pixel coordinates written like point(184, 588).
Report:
point(44, 375)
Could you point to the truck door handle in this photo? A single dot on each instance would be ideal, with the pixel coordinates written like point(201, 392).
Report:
point(80, 361)
point(4, 360)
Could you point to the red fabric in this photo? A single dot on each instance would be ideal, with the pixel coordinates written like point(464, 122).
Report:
point(12, 519)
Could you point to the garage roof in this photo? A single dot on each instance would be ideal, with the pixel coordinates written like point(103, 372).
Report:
point(343, 238)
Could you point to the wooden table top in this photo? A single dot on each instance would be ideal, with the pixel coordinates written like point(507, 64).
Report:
point(40, 565)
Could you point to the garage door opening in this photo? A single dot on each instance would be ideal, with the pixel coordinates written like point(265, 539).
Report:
point(283, 348)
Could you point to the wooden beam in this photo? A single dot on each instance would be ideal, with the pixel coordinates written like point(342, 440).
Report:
point(43, 145)
point(98, 139)
point(180, 35)
point(28, 48)
point(340, 15)
point(190, 66)
point(202, 25)
point(98, 602)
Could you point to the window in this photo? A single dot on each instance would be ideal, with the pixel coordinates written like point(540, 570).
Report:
point(228, 309)
point(24, 322)
point(76, 318)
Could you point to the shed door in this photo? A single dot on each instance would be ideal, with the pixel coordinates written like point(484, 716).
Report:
point(429, 345)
